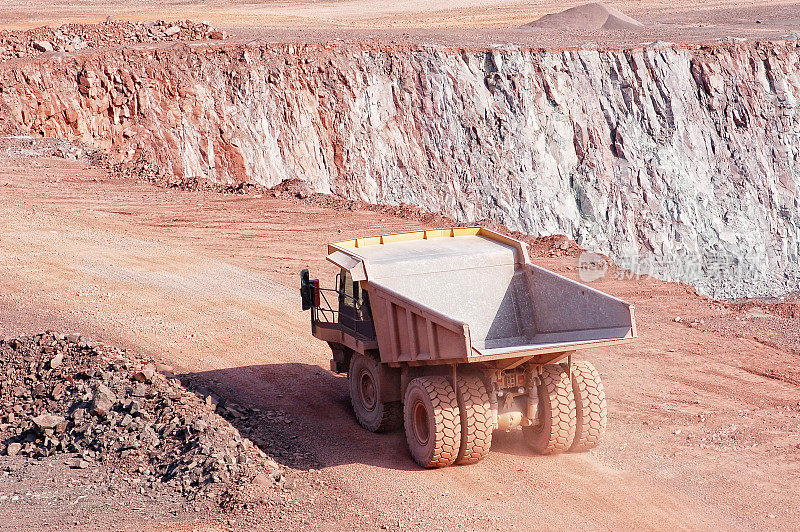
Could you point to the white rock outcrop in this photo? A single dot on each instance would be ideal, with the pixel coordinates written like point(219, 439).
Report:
point(683, 162)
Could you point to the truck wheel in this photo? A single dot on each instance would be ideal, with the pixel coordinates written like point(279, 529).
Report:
point(365, 393)
point(554, 428)
point(476, 419)
point(590, 407)
point(433, 425)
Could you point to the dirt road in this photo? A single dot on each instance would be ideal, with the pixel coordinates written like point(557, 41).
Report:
point(698, 438)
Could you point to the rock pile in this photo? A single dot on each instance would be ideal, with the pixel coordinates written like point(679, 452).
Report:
point(72, 37)
point(26, 146)
point(98, 405)
point(588, 17)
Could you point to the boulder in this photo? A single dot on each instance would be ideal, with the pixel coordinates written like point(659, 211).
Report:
point(47, 421)
point(78, 463)
point(42, 46)
point(145, 375)
point(103, 400)
point(263, 480)
point(13, 449)
point(57, 360)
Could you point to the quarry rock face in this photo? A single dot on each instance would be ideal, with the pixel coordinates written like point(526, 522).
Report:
point(677, 161)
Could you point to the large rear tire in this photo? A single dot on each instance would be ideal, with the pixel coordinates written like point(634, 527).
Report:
point(590, 407)
point(554, 429)
point(432, 420)
point(365, 393)
point(476, 419)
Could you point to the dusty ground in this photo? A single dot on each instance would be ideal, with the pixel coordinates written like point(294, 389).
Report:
point(703, 429)
point(457, 23)
point(704, 411)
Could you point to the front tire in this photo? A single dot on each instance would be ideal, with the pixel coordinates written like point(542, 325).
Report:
point(365, 393)
point(432, 421)
point(554, 429)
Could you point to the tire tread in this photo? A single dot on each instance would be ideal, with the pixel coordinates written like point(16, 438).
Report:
point(447, 422)
point(391, 413)
point(557, 409)
point(590, 407)
point(476, 419)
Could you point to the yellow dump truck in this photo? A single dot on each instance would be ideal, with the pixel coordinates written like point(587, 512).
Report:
point(454, 333)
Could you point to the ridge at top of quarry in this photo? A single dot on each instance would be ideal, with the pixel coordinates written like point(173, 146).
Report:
point(168, 168)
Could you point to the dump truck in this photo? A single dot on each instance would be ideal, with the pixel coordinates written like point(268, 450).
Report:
point(454, 333)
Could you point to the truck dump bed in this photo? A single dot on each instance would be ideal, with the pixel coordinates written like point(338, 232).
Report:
point(470, 294)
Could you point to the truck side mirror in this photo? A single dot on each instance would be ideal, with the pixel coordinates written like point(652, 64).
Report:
point(305, 289)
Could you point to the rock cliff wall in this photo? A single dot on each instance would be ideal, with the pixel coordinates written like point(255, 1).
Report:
point(679, 161)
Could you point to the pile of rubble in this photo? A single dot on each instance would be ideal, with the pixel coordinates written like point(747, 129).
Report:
point(27, 146)
point(72, 37)
point(99, 406)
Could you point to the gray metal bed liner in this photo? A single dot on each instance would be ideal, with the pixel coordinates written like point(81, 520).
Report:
point(484, 283)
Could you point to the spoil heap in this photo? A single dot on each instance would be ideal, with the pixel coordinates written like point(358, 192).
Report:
point(588, 17)
point(72, 37)
point(98, 405)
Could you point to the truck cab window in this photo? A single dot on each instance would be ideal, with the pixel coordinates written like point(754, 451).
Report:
point(354, 312)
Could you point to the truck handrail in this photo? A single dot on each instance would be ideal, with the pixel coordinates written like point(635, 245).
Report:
point(327, 315)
